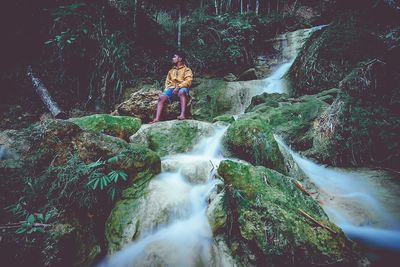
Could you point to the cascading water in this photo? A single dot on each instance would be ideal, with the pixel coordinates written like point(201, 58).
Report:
point(185, 237)
point(356, 201)
point(289, 45)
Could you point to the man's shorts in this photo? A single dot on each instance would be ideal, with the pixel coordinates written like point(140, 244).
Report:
point(171, 97)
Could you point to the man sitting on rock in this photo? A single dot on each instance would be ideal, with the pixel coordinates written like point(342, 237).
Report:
point(177, 83)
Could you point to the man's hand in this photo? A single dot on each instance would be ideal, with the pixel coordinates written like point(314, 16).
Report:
point(176, 90)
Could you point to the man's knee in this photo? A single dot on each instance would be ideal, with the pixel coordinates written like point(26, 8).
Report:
point(182, 93)
point(162, 98)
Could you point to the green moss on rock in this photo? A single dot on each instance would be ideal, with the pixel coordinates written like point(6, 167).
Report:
point(121, 228)
point(210, 99)
point(119, 126)
point(291, 119)
point(267, 225)
point(251, 139)
point(224, 118)
point(171, 137)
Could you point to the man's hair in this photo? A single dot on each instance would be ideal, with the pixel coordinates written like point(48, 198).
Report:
point(181, 54)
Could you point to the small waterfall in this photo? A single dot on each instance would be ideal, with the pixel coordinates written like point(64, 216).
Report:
point(288, 45)
point(356, 201)
point(186, 238)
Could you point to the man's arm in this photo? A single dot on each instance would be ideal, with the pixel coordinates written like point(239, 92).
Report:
point(168, 81)
point(187, 80)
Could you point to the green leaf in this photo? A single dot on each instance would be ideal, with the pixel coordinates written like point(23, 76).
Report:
point(96, 182)
point(40, 217)
point(31, 219)
point(112, 193)
point(123, 175)
point(20, 230)
point(96, 164)
point(113, 176)
point(102, 182)
point(113, 159)
point(47, 217)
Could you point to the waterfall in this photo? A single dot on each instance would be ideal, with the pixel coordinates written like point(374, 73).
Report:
point(356, 201)
point(185, 239)
point(288, 45)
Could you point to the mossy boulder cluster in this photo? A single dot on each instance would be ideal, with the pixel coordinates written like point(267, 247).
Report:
point(251, 136)
point(49, 166)
point(266, 225)
point(118, 126)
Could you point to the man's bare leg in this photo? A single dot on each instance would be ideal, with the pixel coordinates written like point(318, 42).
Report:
point(183, 100)
point(160, 106)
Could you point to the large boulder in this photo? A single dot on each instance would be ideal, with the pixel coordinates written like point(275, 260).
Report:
point(210, 98)
point(172, 137)
point(268, 225)
point(252, 139)
point(291, 118)
point(118, 126)
point(143, 104)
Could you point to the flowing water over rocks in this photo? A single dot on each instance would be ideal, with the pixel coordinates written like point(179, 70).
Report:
point(171, 221)
point(172, 227)
point(364, 203)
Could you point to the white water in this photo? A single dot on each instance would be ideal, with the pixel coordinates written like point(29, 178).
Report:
point(291, 45)
point(356, 201)
point(186, 239)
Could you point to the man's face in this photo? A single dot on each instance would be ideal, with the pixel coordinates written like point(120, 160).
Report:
point(176, 59)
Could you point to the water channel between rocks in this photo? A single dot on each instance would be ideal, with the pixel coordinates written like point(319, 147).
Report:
point(365, 206)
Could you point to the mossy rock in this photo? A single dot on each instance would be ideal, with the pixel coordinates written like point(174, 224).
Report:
point(268, 227)
point(122, 225)
point(118, 126)
point(251, 139)
point(209, 99)
point(54, 154)
point(172, 137)
point(224, 118)
point(291, 119)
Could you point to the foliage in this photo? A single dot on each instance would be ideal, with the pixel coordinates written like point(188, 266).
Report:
point(219, 41)
point(73, 185)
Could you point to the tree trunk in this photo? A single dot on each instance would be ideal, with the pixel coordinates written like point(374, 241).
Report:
point(216, 7)
point(135, 5)
point(241, 6)
point(180, 27)
point(42, 91)
point(257, 6)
